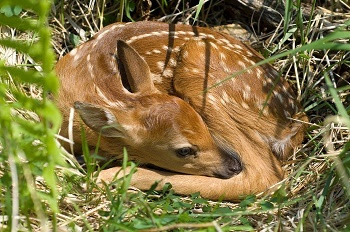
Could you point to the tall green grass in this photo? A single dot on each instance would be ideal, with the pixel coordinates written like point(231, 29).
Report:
point(29, 149)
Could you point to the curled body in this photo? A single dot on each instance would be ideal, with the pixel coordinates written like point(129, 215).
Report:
point(154, 86)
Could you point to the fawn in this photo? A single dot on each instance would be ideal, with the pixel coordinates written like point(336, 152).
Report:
point(150, 94)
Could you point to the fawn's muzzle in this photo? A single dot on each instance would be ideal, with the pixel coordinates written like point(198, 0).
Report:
point(231, 164)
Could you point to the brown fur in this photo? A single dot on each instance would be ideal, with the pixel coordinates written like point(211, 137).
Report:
point(233, 111)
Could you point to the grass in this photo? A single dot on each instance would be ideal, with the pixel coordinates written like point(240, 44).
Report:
point(41, 192)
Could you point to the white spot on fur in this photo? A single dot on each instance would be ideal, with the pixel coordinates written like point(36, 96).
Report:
point(157, 78)
point(231, 46)
point(284, 88)
point(201, 43)
point(249, 54)
point(156, 33)
point(195, 70)
point(77, 55)
point(160, 65)
point(259, 105)
point(258, 73)
point(138, 37)
point(212, 98)
point(225, 97)
point(249, 60)
point(172, 62)
point(238, 46)
point(210, 36)
point(156, 51)
point(224, 67)
point(222, 56)
point(168, 72)
point(176, 49)
point(223, 102)
point(225, 41)
point(246, 95)
point(214, 45)
point(117, 26)
point(280, 97)
point(94, 44)
point(101, 35)
point(265, 111)
point(73, 52)
point(242, 64)
point(185, 54)
point(90, 66)
point(246, 92)
point(245, 105)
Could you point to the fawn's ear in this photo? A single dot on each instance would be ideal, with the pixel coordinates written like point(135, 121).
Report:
point(99, 119)
point(135, 69)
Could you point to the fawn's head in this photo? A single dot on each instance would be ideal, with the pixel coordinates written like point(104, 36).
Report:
point(157, 128)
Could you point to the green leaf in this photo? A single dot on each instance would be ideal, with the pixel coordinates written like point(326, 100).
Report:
point(10, 11)
point(280, 195)
point(195, 195)
point(250, 199)
point(19, 23)
point(7, 10)
point(200, 201)
point(27, 4)
point(17, 10)
point(207, 209)
point(74, 39)
point(167, 187)
point(265, 205)
point(223, 210)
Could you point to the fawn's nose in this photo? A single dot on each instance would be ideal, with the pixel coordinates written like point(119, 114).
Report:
point(231, 164)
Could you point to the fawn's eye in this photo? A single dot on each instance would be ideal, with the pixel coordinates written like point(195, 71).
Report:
point(185, 151)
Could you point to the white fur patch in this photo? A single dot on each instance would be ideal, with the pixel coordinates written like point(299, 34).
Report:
point(245, 105)
point(168, 72)
point(73, 52)
point(157, 78)
point(172, 62)
point(241, 64)
point(160, 65)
